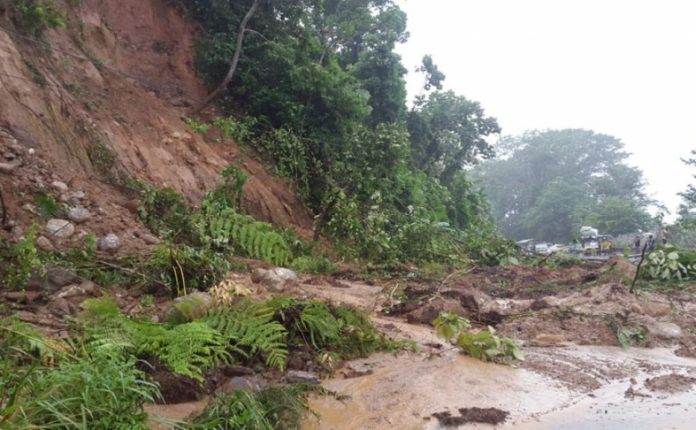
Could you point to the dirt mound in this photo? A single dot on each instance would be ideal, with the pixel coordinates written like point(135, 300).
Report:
point(671, 383)
point(472, 415)
point(101, 106)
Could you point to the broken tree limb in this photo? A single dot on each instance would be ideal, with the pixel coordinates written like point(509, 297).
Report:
point(235, 60)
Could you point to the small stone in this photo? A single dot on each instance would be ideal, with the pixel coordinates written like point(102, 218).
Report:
point(86, 288)
point(189, 307)
point(79, 215)
point(302, 377)
point(44, 244)
point(9, 156)
point(60, 228)
point(29, 208)
point(109, 243)
point(32, 151)
point(17, 232)
point(60, 277)
point(356, 370)
point(59, 186)
point(22, 296)
point(61, 307)
point(150, 239)
point(177, 135)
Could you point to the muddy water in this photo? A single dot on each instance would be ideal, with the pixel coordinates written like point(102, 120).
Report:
point(404, 391)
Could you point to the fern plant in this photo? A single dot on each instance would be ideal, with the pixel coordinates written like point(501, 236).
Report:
point(223, 227)
point(249, 328)
point(187, 349)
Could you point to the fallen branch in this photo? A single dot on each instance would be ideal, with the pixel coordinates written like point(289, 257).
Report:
point(640, 263)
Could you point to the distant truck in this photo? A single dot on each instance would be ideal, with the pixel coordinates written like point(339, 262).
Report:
point(592, 243)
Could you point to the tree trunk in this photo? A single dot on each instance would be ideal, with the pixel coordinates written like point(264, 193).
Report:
point(235, 60)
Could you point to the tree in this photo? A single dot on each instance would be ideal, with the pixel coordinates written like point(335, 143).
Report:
point(235, 60)
point(449, 132)
point(545, 185)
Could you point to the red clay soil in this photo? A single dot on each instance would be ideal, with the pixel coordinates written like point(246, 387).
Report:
point(103, 104)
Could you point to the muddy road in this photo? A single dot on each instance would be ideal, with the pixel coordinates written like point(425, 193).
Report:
point(575, 376)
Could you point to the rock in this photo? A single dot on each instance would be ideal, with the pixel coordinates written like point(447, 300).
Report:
point(9, 155)
point(85, 289)
point(29, 208)
point(150, 239)
point(427, 313)
point(189, 307)
point(176, 135)
point(622, 268)
point(664, 330)
point(655, 309)
point(61, 307)
point(60, 228)
point(8, 168)
point(22, 296)
point(79, 215)
point(276, 279)
point(60, 277)
point(356, 370)
point(132, 206)
point(109, 243)
point(59, 186)
point(44, 244)
point(548, 340)
point(17, 232)
point(239, 383)
point(302, 377)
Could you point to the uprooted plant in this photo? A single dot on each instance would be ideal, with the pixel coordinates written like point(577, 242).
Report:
point(483, 344)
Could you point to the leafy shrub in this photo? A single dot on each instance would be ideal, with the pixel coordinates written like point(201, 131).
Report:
point(183, 268)
point(312, 264)
point(240, 130)
point(47, 205)
point(167, 214)
point(669, 264)
point(197, 127)
point(21, 260)
point(449, 325)
point(482, 344)
point(627, 335)
point(486, 346)
point(37, 16)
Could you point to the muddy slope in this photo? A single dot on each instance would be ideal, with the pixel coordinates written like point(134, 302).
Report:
point(100, 105)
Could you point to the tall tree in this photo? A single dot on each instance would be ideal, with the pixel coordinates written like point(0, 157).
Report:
point(545, 185)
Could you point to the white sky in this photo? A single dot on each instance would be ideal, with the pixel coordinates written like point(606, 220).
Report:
point(621, 67)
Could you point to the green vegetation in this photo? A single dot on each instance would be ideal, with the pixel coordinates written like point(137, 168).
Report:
point(47, 205)
point(313, 264)
point(322, 97)
point(483, 344)
point(546, 185)
point(627, 335)
point(20, 260)
point(271, 409)
point(37, 16)
point(669, 264)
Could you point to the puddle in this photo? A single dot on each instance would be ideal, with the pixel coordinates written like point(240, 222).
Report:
point(404, 392)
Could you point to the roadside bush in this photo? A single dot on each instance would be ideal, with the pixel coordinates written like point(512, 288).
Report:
point(20, 260)
point(669, 264)
point(313, 264)
point(167, 214)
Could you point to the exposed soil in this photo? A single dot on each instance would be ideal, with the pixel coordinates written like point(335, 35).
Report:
point(671, 383)
point(472, 415)
point(102, 106)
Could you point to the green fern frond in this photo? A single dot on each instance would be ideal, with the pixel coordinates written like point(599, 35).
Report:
point(249, 327)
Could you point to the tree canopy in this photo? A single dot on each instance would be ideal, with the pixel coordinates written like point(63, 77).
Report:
point(320, 91)
point(545, 185)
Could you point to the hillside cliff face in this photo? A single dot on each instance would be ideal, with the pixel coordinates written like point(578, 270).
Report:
point(99, 104)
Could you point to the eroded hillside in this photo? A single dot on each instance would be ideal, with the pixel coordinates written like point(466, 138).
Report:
point(101, 106)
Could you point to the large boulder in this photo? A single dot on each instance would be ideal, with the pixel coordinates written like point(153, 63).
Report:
point(276, 279)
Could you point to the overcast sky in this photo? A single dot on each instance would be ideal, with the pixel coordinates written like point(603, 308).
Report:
point(621, 67)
